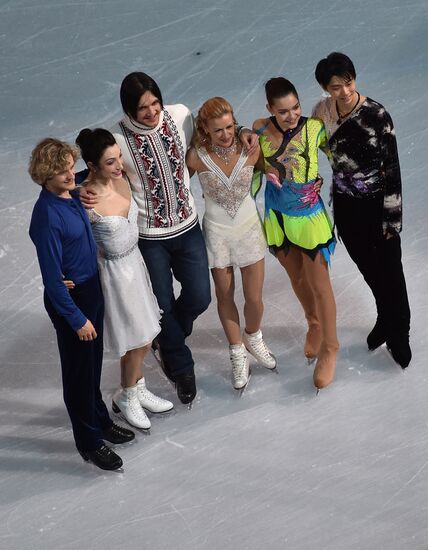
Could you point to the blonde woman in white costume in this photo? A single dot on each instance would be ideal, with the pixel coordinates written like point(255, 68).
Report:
point(233, 232)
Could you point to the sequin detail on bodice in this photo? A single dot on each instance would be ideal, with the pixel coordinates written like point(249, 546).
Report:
point(227, 192)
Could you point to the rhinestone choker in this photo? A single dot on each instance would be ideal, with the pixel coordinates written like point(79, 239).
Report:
point(225, 153)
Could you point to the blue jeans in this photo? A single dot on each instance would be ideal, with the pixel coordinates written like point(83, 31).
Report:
point(185, 258)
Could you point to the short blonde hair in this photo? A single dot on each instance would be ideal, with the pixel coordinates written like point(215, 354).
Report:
point(215, 107)
point(48, 158)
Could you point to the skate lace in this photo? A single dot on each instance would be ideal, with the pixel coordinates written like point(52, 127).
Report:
point(238, 365)
point(260, 347)
point(118, 430)
point(105, 451)
point(147, 394)
point(136, 409)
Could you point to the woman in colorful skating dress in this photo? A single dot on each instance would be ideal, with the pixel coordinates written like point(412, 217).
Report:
point(298, 229)
point(233, 231)
point(131, 311)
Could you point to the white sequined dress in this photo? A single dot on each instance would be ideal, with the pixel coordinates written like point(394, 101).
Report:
point(231, 225)
point(132, 314)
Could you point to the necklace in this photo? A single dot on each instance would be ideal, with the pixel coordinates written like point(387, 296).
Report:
point(225, 153)
point(342, 117)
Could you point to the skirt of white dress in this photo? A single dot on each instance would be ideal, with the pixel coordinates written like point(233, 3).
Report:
point(132, 314)
point(236, 246)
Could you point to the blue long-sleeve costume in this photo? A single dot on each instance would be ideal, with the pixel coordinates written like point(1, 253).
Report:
point(61, 232)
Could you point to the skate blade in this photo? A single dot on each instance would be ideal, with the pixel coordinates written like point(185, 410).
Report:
point(240, 391)
point(403, 369)
point(261, 364)
point(310, 360)
point(120, 415)
point(160, 414)
point(275, 368)
point(120, 470)
point(317, 392)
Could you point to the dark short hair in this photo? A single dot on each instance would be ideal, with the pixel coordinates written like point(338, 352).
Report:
point(133, 86)
point(335, 64)
point(279, 87)
point(93, 143)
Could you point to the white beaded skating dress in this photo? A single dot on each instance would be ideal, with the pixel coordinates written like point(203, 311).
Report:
point(234, 237)
point(132, 314)
point(231, 225)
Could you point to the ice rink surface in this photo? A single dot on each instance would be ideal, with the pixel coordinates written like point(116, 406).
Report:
point(278, 468)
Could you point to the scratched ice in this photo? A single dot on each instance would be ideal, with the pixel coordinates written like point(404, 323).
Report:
point(279, 468)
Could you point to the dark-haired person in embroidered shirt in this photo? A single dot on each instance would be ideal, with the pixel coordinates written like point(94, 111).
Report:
point(154, 139)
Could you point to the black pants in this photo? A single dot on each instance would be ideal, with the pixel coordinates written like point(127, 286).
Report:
point(81, 364)
point(359, 225)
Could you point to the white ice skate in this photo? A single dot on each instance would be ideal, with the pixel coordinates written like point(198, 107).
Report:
point(240, 366)
point(150, 401)
point(125, 401)
point(255, 345)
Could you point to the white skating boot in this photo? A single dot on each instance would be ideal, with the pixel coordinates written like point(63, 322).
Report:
point(258, 349)
point(150, 401)
point(125, 401)
point(240, 366)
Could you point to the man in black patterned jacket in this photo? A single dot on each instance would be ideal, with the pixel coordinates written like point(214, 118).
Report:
point(367, 197)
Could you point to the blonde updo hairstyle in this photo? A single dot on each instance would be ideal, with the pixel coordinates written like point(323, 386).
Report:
point(215, 107)
point(49, 158)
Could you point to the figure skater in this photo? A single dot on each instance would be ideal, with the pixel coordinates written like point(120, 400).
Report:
point(131, 311)
point(298, 229)
point(233, 231)
point(154, 139)
point(65, 247)
point(366, 194)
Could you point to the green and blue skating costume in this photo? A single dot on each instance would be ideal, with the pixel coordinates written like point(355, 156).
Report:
point(295, 214)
